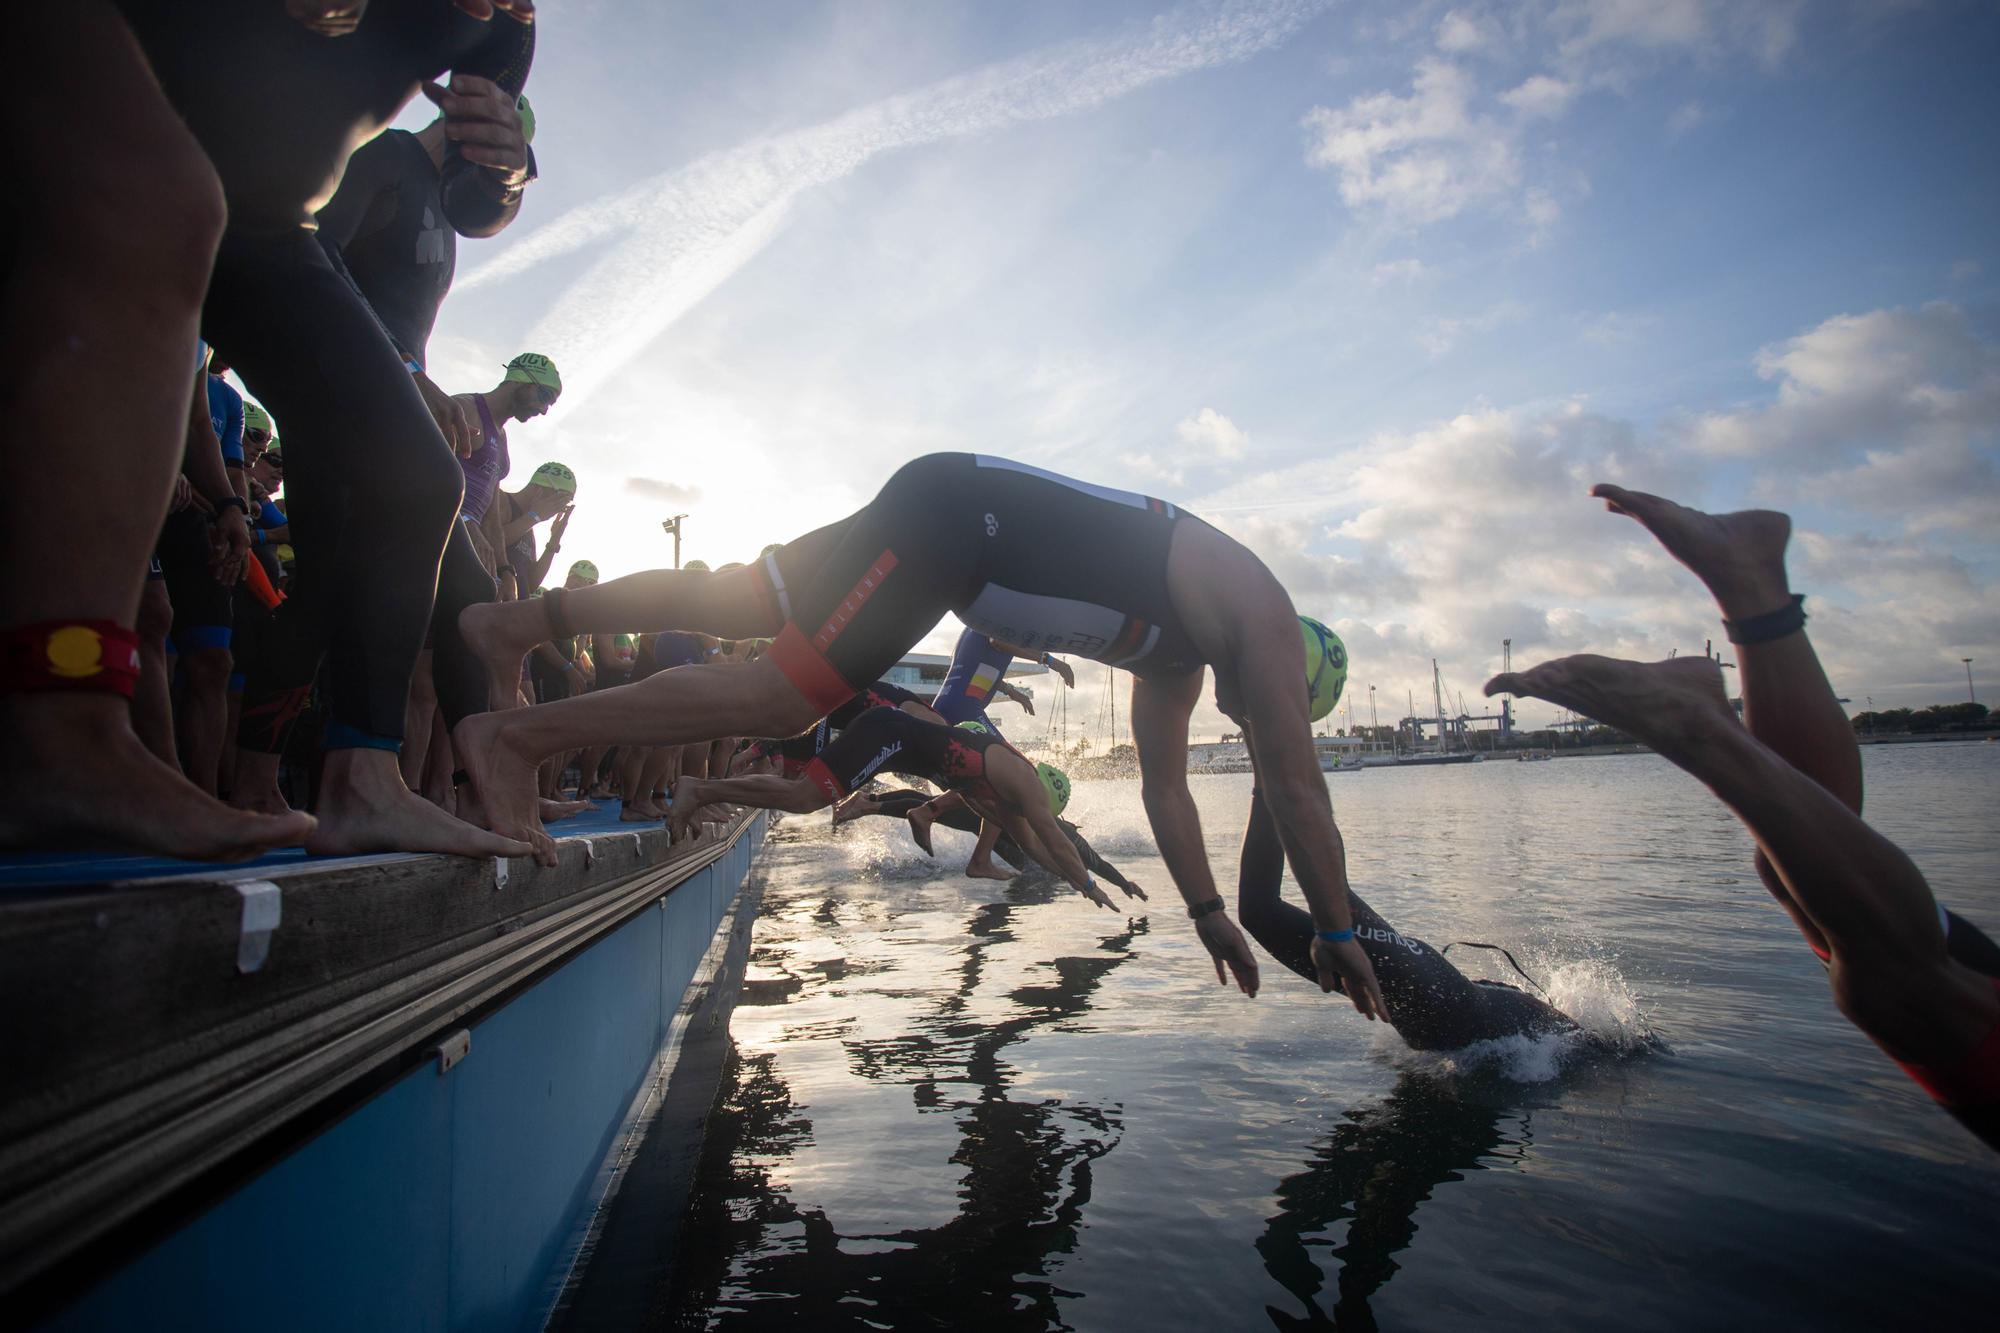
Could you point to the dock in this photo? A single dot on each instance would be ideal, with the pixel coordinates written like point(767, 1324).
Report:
point(376, 1092)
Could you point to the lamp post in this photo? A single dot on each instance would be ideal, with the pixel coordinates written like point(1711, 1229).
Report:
point(673, 526)
point(1970, 697)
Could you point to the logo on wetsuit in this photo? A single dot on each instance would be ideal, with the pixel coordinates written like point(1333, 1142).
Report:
point(1383, 935)
point(869, 769)
point(992, 526)
point(430, 241)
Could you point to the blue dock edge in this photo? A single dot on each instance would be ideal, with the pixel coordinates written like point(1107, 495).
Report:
point(459, 1197)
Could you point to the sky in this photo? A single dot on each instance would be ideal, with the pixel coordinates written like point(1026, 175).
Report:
point(1378, 288)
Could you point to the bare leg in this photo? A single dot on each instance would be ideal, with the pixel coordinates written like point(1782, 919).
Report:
point(203, 714)
point(1888, 966)
point(99, 310)
point(153, 701)
point(417, 715)
point(981, 866)
point(764, 791)
point(692, 703)
point(855, 806)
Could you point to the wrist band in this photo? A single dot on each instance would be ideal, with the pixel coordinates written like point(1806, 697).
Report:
point(236, 502)
point(95, 655)
point(1200, 910)
point(1337, 936)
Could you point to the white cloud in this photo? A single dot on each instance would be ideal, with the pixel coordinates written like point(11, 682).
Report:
point(1202, 441)
point(1420, 158)
point(1398, 270)
point(681, 234)
point(1212, 433)
point(1542, 95)
point(1460, 32)
point(1441, 334)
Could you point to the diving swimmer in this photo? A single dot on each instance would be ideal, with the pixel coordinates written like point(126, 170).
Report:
point(1025, 555)
point(1917, 980)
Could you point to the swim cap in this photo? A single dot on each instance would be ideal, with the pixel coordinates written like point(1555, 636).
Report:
point(256, 418)
point(1326, 666)
point(696, 567)
point(554, 476)
point(527, 117)
point(534, 368)
point(1056, 783)
point(286, 555)
point(973, 724)
point(583, 569)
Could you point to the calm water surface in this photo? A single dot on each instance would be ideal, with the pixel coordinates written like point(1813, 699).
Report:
point(960, 1104)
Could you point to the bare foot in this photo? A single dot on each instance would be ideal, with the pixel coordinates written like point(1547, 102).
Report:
point(495, 631)
point(854, 807)
point(1740, 556)
point(503, 782)
point(364, 807)
point(687, 806)
point(987, 870)
point(1671, 706)
point(551, 811)
point(73, 774)
point(921, 820)
point(642, 812)
point(256, 784)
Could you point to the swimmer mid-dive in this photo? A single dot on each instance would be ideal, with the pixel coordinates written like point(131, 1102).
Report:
point(1917, 980)
point(995, 778)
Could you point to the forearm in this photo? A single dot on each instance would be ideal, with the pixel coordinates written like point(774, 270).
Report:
point(1041, 839)
point(1176, 825)
point(202, 458)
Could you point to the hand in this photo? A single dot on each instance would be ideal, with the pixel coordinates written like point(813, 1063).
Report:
point(481, 118)
point(1228, 949)
point(560, 526)
point(1132, 890)
point(1027, 704)
point(183, 494)
point(521, 11)
point(460, 431)
point(1094, 891)
point(229, 546)
point(1062, 668)
point(328, 18)
point(1348, 963)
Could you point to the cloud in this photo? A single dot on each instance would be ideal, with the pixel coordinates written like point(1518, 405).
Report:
point(667, 492)
point(1441, 334)
point(1398, 270)
point(1460, 32)
point(680, 234)
point(1213, 434)
point(1540, 96)
point(1204, 440)
point(1420, 158)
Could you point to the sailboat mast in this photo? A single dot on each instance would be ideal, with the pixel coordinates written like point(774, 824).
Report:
point(1437, 701)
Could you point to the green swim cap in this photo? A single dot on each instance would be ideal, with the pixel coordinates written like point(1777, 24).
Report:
point(527, 117)
point(1056, 783)
point(256, 418)
point(555, 476)
point(585, 569)
point(534, 368)
point(695, 567)
point(973, 724)
point(1326, 666)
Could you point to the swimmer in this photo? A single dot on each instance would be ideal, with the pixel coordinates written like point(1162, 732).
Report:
point(1916, 979)
point(978, 672)
point(994, 778)
point(1029, 556)
point(922, 810)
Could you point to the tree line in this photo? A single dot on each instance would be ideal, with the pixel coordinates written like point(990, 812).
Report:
point(1938, 717)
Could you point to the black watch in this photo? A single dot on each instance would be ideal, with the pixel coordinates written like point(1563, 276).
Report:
point(1200, 910)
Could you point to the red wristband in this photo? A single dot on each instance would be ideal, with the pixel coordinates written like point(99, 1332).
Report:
point(99, 655)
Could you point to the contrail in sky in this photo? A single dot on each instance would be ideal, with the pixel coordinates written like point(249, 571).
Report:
point(681, 234)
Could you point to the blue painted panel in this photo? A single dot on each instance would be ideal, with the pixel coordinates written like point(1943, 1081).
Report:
point(353, 1232)
point(539, 1101)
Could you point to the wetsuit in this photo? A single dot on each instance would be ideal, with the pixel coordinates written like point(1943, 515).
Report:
point(888, 740)
point(374, 487)
point(795, 753)
point(1432, 1005)
point(977, 668)
point(1024, 555)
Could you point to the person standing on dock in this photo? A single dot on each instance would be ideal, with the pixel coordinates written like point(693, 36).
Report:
point(1920, 982)
point(1027, 555)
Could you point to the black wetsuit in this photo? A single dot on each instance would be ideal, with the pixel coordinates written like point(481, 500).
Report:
point(1432, 1005)
point(374, 489)
point(1035, 559)
point(794, 753)
point(888, 740)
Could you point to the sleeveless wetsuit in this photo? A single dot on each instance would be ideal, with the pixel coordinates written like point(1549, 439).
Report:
point(888, 740)
point(977, 668)
point(1432, 1005)
point(1024, 555)
point(374, 490)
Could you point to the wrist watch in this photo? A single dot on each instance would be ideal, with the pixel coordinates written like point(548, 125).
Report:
point(1200, 910)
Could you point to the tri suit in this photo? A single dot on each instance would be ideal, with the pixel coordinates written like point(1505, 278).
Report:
point(888, 740)
point(1020, 554)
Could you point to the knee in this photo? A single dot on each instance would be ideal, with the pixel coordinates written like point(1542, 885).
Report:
point(156, 617)
point(206, 668)
point(427, 487)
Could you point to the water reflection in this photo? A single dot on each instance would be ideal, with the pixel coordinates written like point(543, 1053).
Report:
point(1376, 1167)
point(1025, 1164)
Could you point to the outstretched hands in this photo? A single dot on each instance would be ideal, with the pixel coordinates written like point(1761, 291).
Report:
point(1345, 967)
point(1229, 951)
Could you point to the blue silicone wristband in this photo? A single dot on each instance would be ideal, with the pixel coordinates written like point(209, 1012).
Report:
point(1337, 936)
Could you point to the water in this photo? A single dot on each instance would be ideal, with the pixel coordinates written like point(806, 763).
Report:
point(960, 1104)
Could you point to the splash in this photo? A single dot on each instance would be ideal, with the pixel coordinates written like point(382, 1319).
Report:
point(1589, 990)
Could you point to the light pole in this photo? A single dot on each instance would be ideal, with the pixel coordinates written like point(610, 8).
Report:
point(673, 526)
point(1970, 697)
